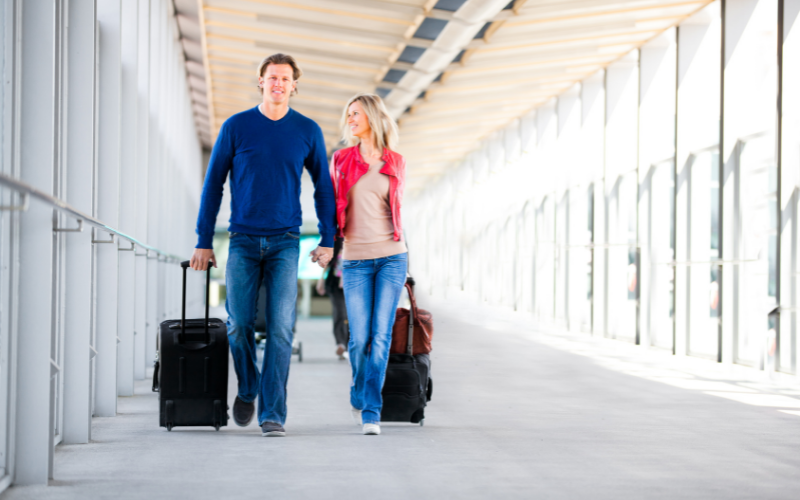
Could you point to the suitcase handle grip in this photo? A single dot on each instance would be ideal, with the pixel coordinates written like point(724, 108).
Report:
point(412, 313)
point(185, 266)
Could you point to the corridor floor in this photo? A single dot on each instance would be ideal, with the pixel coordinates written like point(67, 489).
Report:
point(515, 414)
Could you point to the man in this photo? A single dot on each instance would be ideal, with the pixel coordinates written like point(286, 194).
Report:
point(264, 150)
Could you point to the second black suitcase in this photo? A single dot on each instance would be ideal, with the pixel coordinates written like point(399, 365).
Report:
point(191, 372)
point(408, 385)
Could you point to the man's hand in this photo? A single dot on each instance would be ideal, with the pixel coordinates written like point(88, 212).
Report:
point(322, 256)
point(200, 259)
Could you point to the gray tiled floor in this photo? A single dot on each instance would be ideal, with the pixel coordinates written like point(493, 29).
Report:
point(514, 415)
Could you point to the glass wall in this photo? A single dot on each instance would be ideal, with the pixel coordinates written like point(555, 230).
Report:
point(646, 204)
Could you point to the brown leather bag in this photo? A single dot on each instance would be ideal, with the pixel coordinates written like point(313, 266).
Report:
point(422, 329)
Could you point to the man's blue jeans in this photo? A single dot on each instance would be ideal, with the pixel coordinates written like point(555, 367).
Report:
point(372, 289)
point(274, 260)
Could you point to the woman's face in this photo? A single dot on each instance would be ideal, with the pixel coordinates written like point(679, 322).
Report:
point(357, 121)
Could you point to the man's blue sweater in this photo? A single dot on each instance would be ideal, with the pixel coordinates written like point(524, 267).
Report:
point(265, 159)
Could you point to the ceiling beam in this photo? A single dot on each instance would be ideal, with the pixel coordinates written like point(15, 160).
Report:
point(309, 38)
point(273, 19)
point(262, 48)
point(523, 21)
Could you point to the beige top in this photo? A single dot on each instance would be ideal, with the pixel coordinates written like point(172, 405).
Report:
point(368, 230)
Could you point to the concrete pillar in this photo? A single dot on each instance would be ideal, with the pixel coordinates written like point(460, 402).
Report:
point(698, 114)
point(108, 15)
point(789, 347)
point(153, 166)
point(142, 160)
point(127, 194)
point(80, 158)
point(37, 157)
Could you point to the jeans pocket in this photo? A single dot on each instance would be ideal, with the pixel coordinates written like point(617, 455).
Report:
point(399, 256)
point(231, 235)
point(350, 264)
point(294, 236)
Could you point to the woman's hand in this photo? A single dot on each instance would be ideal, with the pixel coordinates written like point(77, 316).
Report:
point(321, 286)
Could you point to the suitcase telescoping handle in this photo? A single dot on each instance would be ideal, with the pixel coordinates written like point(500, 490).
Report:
point(182, 336)
point(412, 313)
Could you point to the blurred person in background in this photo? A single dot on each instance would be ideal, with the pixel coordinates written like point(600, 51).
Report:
point(331, 284)
point(368, 179)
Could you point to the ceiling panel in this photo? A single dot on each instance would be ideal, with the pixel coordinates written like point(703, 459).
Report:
point(472, 68)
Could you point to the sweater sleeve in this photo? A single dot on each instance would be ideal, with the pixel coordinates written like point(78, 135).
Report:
point(218, 167)
point(324, 201)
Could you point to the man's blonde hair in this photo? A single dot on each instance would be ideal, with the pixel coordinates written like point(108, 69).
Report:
point(384, 128)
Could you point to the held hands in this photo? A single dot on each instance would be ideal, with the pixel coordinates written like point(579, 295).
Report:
point(322, 256)
point(200, 259)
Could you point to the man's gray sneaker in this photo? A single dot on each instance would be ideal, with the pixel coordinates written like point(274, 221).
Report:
point(243, 412)
point(272, 429)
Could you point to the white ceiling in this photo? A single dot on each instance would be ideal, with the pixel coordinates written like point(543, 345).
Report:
point(480, 63)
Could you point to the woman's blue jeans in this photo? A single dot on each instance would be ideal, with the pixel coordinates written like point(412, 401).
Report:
point(372, 289)
point(273, 260)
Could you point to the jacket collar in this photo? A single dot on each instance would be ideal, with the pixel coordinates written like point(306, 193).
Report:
point(389, 167)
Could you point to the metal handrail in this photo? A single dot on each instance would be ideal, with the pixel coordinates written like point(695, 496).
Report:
point(27, 190)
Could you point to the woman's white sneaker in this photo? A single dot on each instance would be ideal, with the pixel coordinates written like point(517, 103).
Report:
point(371, 429)
point(356, 415)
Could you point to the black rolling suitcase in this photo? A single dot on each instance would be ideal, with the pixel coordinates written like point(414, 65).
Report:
point(191, 371)
point(408, 385)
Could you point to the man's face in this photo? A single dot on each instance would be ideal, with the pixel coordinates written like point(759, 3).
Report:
point(278, 82)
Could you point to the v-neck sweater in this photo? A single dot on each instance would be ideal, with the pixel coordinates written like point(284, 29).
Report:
point(264, 159)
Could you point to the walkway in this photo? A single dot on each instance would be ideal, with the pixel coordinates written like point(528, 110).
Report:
point(514, 415)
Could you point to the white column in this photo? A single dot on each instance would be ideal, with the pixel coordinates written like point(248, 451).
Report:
point(572, 276)
point(547, 130)
point(80, 159)
point(592, 155)
point(622, 82)
point(154, 165)
point(790, 184)
point(127, 194)
point(108, 14)
point(656, 171)
point(697, 130)
point(749, 148)
point(37, 157)
point(142, 161)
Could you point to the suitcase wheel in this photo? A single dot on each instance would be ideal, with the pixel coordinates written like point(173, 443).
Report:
point(422, 422)
point(169, 405)
point(216, 427)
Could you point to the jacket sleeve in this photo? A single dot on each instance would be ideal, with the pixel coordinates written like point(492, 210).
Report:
point(324, 201)
point(218, 167)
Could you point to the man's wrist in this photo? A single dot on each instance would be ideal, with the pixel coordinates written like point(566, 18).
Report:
point(326, 240)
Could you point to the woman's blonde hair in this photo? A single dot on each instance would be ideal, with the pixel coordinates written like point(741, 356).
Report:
point(384, 128)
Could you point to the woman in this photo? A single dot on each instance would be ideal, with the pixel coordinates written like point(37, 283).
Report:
point(368, 178)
